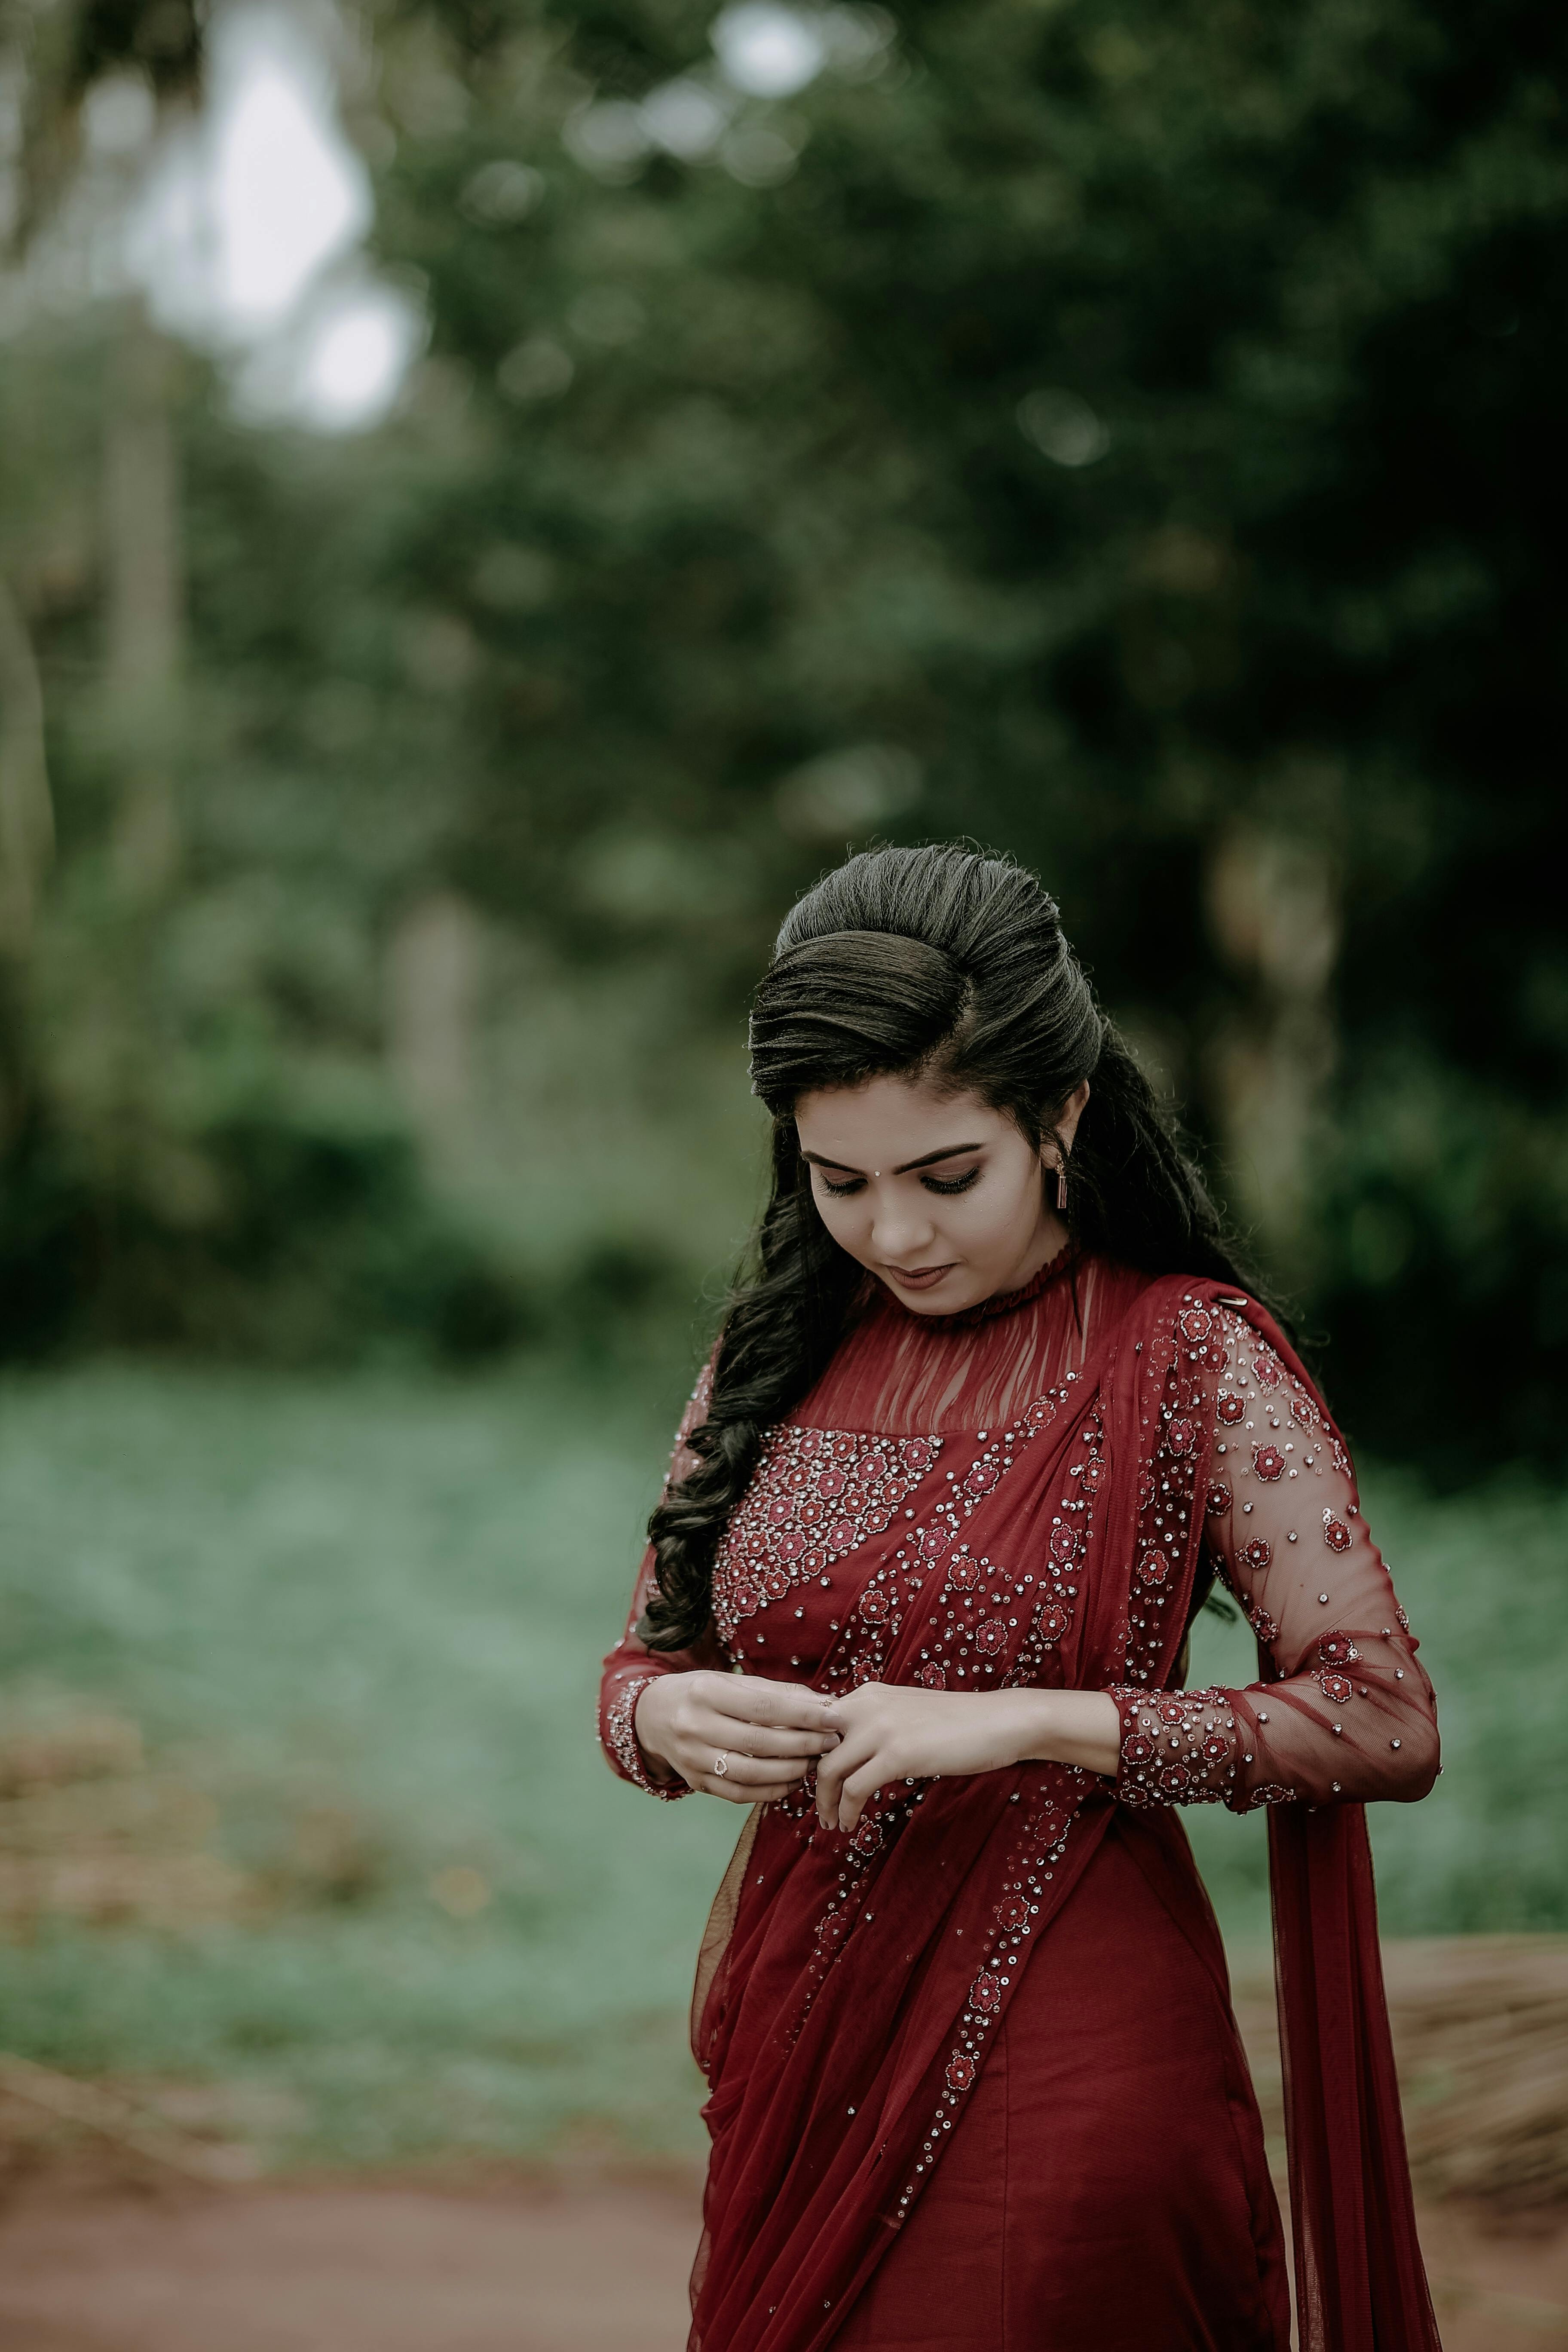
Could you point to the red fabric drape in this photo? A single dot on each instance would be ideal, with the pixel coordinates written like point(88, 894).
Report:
point(1360, 2284)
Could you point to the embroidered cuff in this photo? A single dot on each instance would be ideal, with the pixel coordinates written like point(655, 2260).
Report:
point(620, 1740)
point(1178, 1747)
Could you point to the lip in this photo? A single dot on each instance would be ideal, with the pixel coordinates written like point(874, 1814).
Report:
point(918, 1278)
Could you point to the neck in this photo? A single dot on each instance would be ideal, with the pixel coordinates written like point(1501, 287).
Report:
point(1050, 1238)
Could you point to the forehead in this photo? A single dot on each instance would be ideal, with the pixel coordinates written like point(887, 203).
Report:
point(889, 1122)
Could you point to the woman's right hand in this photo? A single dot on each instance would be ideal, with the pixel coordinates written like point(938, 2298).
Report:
point(769, 1734)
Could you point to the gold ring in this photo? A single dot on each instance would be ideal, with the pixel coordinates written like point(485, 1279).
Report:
point(722, 1764)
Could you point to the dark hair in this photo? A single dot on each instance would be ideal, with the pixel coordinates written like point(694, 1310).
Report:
point(948, 965)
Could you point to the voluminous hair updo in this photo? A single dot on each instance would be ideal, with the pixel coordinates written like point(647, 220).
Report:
point(949, 966)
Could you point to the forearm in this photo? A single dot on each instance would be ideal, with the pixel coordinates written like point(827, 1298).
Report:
point(891, 1733)
point(1065, 1727)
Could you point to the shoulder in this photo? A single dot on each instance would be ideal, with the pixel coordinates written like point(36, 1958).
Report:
point(1205, 1329)
point(1187, 1308)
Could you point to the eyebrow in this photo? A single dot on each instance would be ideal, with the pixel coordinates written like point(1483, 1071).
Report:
point(950, 1151)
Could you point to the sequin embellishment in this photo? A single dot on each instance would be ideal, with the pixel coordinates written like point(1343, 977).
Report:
point(817, 1495)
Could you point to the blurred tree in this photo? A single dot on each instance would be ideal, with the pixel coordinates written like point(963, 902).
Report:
point(1131, 439)
point(1128, 438)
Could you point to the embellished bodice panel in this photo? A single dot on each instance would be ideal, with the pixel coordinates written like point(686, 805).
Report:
point(913, 1414)
point(856, 1514)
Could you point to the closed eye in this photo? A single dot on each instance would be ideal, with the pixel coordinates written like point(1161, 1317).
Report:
point(932, 1183)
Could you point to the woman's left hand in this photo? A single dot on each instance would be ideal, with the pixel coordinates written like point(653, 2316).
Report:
point(891, 1731)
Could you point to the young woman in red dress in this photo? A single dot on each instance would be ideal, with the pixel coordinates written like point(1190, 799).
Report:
point(990, 1417)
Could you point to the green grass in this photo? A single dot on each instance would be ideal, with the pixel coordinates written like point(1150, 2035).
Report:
point(371, 1610)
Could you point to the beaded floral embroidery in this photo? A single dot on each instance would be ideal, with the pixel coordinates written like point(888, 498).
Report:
point(1040, 1848)
point(978, 1603)
point(816, 1495)
point(1269, 1435)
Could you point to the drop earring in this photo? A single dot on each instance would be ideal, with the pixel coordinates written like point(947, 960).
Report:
point(1061, 1184)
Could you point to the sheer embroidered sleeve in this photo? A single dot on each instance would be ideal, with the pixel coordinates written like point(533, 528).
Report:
point(630, 1666)
point(1342, 1713)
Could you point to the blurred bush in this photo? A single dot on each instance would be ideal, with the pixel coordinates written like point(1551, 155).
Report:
point(311, 1238)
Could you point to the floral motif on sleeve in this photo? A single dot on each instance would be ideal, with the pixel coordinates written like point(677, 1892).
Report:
point(1178, 1749)
point(1343, 1711)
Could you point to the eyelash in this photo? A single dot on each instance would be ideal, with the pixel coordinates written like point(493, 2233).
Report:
point(932, 1183)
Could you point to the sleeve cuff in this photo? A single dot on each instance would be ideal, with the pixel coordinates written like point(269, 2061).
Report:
point(620, 1741)
point(1178, 1747)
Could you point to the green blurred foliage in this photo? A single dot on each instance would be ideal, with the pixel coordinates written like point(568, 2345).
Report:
point(1130, 439)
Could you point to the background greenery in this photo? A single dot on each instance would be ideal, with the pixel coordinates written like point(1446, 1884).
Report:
point(360, 1620)
point(1125, 434)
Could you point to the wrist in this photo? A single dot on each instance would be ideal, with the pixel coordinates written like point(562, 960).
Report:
point(1079, 1727)
point(646, 1730)
point(1035, 1727)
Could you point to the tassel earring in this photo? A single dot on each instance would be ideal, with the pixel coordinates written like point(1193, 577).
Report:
point(1061, 1184)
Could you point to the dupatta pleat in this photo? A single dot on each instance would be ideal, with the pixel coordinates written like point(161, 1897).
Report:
point(1361, 2285)
point(1361, 2282)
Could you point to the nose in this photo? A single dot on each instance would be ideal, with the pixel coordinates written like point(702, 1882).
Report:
point(902, 1227)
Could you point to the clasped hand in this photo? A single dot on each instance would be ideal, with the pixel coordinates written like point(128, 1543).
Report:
point(770, 1734)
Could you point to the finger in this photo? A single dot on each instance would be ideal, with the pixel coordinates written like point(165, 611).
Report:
point(766, 1792)
point(755, 1699)
point(758, 1739)
point(752, 1772)
point(858, 1790)
point(834, 1771)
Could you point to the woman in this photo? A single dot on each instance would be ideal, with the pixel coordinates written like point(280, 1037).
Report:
point(975, 1440)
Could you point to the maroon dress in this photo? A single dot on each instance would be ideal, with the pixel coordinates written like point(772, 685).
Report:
point(919, 2140)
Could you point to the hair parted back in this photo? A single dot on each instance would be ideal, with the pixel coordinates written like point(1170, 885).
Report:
point(946, 965)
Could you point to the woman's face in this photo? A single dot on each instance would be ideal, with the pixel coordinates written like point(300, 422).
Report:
point(937, 1195)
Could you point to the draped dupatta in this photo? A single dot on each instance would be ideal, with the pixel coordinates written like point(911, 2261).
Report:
point(851, 1987)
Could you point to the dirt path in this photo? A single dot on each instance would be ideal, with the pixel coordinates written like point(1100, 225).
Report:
point(91, 2263)
point(348, 2270)
point(410, 2270)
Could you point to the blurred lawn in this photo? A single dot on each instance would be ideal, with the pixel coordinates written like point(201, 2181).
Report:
point(362, 1617)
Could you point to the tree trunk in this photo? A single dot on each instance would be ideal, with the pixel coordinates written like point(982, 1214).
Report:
point(144, 599)
point(27, 813)
point(433, 977)
point(1273, 908)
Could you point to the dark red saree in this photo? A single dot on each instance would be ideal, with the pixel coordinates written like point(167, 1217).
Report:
point(851, 1990)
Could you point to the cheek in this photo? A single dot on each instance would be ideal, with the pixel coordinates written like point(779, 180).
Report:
point(996, 1211)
